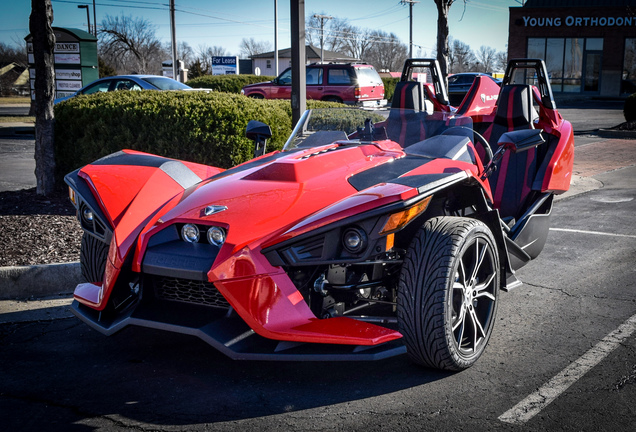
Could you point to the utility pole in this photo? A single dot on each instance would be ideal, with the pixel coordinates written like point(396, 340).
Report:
point(322, 19)
point(276, 36)
point(173, 34)
point(94, 21)
point(299, 79)
point(410, 3)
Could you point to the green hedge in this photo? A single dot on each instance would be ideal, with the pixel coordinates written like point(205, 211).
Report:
point(389, 87)
point(227, 83)
point(629, 109)
point(208, 128)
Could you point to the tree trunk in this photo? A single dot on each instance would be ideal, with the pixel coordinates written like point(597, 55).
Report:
point(43, 44)
point(443, 6)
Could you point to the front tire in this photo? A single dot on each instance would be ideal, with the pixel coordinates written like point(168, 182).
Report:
point(93, 256)
point(447, 293)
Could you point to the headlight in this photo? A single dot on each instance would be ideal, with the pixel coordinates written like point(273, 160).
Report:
point(216, 236)
point(87, 214)
point(190, 233)
point(354, 239)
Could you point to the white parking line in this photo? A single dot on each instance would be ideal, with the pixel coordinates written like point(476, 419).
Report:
point(592, 232)
point(537, 401)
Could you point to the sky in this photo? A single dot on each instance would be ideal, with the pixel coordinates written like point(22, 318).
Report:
point(226, 22)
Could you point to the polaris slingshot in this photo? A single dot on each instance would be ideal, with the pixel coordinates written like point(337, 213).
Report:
point(371, 234)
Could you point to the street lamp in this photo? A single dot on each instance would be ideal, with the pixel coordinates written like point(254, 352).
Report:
point(88, 16)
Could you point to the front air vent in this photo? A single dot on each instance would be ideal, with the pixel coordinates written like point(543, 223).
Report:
point(189, 291)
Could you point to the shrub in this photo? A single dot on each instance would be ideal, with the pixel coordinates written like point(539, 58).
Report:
point(227, 83)
point(629, 109)
point(208, 128)
point(389, 87)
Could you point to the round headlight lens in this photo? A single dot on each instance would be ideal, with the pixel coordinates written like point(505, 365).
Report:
point(87, 214)
point(190, 233)
point(354, 240)
point(216, 236)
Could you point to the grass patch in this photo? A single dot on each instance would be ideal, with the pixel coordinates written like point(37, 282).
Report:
point(17, 119)
point(15, 100)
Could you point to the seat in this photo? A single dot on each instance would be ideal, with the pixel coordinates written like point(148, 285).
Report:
point(511, 183)
point(409, 106)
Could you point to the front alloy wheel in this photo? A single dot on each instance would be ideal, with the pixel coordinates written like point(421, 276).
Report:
point(447, 295)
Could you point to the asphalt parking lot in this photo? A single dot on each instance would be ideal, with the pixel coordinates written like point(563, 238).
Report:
point(562, 356)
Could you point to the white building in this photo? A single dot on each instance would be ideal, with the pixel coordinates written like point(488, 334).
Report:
point(265, 61)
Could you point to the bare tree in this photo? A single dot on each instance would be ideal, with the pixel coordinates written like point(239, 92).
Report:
point(501, 61)
point(206, 53)
point(335, 30)
point(443, 6)
point(131, 44)
point(487, 57)
point(12, 54)
point(356, 42)
point(186, 53)
point(43, 42)
point(461, 57)
point(250, 47)
point(387, 53)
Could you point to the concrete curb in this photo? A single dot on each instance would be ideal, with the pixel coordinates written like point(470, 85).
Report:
point(579, 185)
point(10, 130)
point(613, 133)
point(21, 282)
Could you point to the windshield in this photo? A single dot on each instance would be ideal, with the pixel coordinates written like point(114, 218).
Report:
point(163, 83)
point(353, 126)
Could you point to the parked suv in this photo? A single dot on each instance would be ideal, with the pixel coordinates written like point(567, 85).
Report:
point(356, 84)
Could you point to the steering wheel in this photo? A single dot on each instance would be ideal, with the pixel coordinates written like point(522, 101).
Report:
point(477, 138)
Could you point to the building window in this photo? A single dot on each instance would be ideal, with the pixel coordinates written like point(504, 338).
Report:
point(573, 65)
point(565, 60)
point(628, 81)
point(269, 64)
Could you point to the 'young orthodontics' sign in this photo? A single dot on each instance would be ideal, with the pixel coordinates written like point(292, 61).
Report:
point(572, 21)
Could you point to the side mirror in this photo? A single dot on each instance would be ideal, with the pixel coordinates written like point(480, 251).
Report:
point(521, 140)
point(258, 132)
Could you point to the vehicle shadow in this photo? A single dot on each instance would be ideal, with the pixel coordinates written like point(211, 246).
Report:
point(153, 377)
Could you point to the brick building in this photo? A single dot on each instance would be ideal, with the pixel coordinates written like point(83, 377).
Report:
point(589, 46)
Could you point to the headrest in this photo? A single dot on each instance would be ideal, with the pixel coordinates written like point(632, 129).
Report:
point(514, 106)
point(409, 95)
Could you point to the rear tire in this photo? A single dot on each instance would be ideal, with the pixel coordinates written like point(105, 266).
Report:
point(448, 292)
point(93, 256)
point(332, 99)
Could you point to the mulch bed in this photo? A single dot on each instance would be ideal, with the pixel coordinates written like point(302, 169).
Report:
point(629, 126)
point(36, 229)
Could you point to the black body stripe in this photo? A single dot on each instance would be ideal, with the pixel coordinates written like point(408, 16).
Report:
point(386, 172)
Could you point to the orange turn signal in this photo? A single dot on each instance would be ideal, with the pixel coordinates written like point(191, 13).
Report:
point(71, 195)
point(399, 220)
